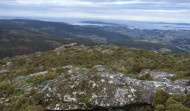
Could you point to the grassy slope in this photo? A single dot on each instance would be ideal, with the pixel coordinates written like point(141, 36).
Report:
point(128, 61)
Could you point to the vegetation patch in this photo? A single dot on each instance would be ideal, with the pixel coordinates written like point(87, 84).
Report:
point(175, 102)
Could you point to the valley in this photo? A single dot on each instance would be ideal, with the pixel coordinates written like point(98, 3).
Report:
point(19, 37)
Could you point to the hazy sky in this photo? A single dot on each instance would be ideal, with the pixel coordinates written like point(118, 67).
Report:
point(138, 10)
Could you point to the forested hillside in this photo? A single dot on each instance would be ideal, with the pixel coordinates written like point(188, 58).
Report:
point(19, 37)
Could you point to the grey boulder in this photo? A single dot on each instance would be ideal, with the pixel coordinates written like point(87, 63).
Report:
point(102, 89)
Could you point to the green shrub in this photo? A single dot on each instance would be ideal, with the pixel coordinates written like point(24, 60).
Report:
point(1, 107)
point(115, 110)
point(187, 102)
point(30, 93)
point(160, 97)
point(177, 107)
point(29, 80)
point(21, 103)
point(51, 75)
point(30, 101)
point(179, 97)
point(146, 77)
point(160, 107)
point(170, 101)
point(6, 88)
point(38, 79)
point(173, 103)
point(37, 99)
point(33, 108)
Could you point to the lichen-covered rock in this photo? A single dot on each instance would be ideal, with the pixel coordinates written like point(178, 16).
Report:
point(182, 82)
point(63, 47)
point(106, 49)
point(34, 74)
point(6, 58)
point(157, 75)
point(99, 67)
point(87, 90)
point(38, 53)
point(9, 64)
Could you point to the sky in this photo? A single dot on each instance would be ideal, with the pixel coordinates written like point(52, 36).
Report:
point(135, 10)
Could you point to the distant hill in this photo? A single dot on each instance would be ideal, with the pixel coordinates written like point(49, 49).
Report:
point(177, 41)
point(26, 36)
point(64, 30)
point(19, 37)
point(16, 40)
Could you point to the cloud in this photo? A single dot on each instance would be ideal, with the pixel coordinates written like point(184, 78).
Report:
point(139, 10)
point(83, 3)
point(55, 2)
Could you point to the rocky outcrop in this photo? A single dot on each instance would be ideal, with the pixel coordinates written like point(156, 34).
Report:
point(182, 82)
point(99, 68)
point(4, 72)
point(38, 53)
point(63, 47)
point(87, 90)
point(165, 77)
point(74, 46)
point(9, 64)
point(6, 58)
point(156, 75)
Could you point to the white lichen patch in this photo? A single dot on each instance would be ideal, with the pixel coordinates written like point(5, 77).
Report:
point(111, 76)
point(93, 84)
point(133, 90)
point(57, 107)
point(70, 71)
point(72, 86)
point(102, 80)
point(48, 95)
point(68, 98)
point(94, 95)
point(110, 82)
point(74, 93)
point(59, 95)
point(69, 67)
point(129, 96)
point(81, 93)
point(132, 99)
point(121, 96)
point(50, 90)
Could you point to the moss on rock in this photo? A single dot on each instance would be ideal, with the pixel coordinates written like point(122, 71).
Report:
point(160, 97)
